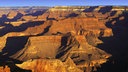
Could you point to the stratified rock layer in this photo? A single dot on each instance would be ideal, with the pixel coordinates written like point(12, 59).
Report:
point(65, 39)
point(66, 47)
point(47, 65)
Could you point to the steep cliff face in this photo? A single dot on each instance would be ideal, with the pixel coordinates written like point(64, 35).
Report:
point(63, 39)
point(74, 48)
point(12, 14)
point(47, 65)
point(62, 12)
point(26, 29)
point(82, 54)
point(2, 42)
point(39, 47)
point(80, 26)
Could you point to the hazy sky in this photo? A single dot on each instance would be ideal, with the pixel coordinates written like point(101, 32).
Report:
point(61, 2)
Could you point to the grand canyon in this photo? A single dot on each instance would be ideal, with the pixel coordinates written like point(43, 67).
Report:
point(64, 39)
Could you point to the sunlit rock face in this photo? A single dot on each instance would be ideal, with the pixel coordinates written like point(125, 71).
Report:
point(2, 43)
point(5, 69)
point(39, 47)
point(12, 14)
point(43, 65)
point(63, 38)
point(48, 65)
point(67, 48)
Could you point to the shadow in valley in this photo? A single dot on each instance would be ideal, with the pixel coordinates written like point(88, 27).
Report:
point(90, 9)
point(117, 45)
point(10, 28)
point(18, 16)
point(5, 19)
point(105, 9)
point(62, 50)
point(13, 45)
point(14, 68)
point(113, 13)
point(65, 47)
point(45, 31)
point(72, 15)
point(37, 13)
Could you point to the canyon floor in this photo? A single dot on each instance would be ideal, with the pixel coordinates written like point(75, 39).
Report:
point(64, 39)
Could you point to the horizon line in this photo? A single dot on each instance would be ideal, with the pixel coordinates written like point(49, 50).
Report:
point(61, 5)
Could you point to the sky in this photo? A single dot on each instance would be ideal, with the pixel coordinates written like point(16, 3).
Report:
point(62, 2)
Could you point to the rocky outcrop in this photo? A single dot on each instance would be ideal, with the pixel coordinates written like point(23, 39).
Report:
point(66, 48)
point(39, 47)
point(64, 39)
point(12, 14)
point(28, 18)
point(62, 12)
point(2, 42)
point(17, 23)
point(5, 69)
point(47, 65)
point(79, 26)
point(81, 52)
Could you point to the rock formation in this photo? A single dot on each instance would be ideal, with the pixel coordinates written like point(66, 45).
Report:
point(4, 69)
point(62, 38)
point(47, 65)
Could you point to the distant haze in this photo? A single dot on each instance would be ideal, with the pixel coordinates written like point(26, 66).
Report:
point(62, 2)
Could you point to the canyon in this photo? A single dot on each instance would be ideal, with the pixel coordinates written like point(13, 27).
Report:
point(64, 39)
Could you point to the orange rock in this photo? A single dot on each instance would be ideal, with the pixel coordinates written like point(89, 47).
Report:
point(43, 65)
point(6, 69)
point(121, 18)
point(12, 14)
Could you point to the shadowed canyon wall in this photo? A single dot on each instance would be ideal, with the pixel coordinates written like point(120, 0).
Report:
point(64, 39)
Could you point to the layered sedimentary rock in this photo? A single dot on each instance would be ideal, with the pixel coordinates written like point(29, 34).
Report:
point(12, 14)
point(62, 12)
point(79, 26)
point(48, 65)
point(64, 39)
point(28, 18)
point(17, 23)
point(66, 48)
point(2, 42)
point(39, 47)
